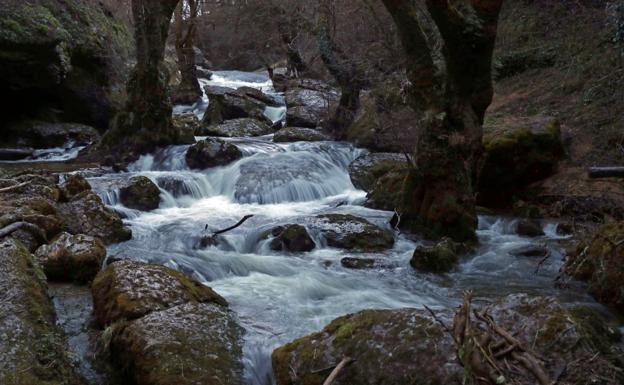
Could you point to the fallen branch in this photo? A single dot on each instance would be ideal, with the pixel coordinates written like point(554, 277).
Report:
point(332, 376)
point(606, 172)
point(14, 187)
point(33, 229)
point(232, 227)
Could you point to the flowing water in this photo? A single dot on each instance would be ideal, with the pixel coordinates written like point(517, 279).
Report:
point(282, 296)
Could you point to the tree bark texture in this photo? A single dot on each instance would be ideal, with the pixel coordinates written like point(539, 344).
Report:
point(188, 91)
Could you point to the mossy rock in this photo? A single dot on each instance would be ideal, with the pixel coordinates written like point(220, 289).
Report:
point(32, 349)
point(212, 153)
point(292, 238)
point(238, 128)
point(140, 193)
point(515, 158)
point(127, 290)
point(188, 344)
point(600, 262)
point(345, 231)
point(439, 258)
point(299, 134)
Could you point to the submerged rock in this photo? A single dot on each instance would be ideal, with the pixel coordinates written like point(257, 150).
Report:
point(293, 238)
point(129, 289)
point(600, 262)
point(406, 345)
point(345, 231)
point(299, 134)
point(86, 214)
point(530, 251)
point(529, 228)
point(212, 153)
point(32, 349)
point(238, 127)
point(72, 257)
point(188, 344)
point(439, 258)
point(140, 193)
point(357, 263)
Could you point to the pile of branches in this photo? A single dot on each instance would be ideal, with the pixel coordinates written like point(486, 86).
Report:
point(490, 354)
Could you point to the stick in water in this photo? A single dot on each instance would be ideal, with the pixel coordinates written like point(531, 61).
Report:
point(332, 376)
point(232, 227)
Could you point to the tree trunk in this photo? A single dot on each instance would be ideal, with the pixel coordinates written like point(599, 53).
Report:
point(146, 121)
point(344, 70)
point(288, 30)
point(449, 68)
point(189, 91)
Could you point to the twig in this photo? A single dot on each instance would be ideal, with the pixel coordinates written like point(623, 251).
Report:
point(435, 317)
point(332, 376)
point(542, 262)
point(232, 227)
point(14, 187)
point(33, 229)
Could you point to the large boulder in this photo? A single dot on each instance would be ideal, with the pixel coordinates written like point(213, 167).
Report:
point(73, 185)
point(86, 214)
point(64, 60)
point(189, 344)
point(345, 231)
point(299, 134)
point(237, 128)
point(140, 193)
point(366, 169)
point(408, 346)
point(212, 153)
point(72, 257)
point(32, 349)
point(129, 289)
point(439, 258)
point(228, 103)
point(600, 261)
point(309, 105)
point(386, 192)
point(515, 158)
point(293, 238)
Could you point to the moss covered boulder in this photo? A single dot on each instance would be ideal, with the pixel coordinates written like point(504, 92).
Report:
point(73, 185)
point(32, 349)
point(212, 153)
point(228, 103)
point(367, 169)
point(600, 262)
point(188, 344)
point(140, 193)
point(441, 257)
point(129, 289)
point(515, 158)
point(72, 257)
point(293, 238)
point(345, 231)
point(299, 134)
point(62, 60)
point(407, 346)
point(238, 128)
point(86, 214)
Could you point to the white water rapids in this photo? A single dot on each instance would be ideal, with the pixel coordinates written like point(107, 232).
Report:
point(280, 296)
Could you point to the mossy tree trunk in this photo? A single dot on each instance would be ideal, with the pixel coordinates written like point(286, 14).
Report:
point(342, 68)
point(289, 29)
point(189, 91)
point(448, 46)
point(145, 122)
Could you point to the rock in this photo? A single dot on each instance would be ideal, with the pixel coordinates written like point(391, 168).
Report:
point(352, 233)
point(73, 185)
point(86, 214)
point(72, 257)
point(299, 134)
point(357, 263)
point(516, 157)
point(530, 251)
point(15, 153)
point(188, 344)
point(387, 192)
point(130, 289)
point(600, 261)
point(439, 258)
point(238, 128)
point(227, 103)
point(173, 186)
point(32, 349)
point(308, 107)
point(258, 95)
point(367, 169)
point(211, 153)
point(64, 59)
point(140, 193)
point(204, 73)
point(529, 228)
point(39, 134)
point(188, 125)
point(565, 229)
point(407, 345)
point(292, 238)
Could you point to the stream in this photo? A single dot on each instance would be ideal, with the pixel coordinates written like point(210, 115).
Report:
point(280, 296)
